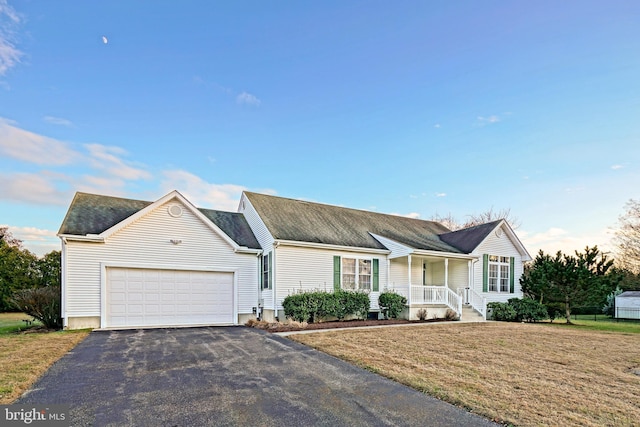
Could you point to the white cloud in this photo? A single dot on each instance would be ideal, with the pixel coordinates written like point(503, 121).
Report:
point(248, 99)
point(32, 188)
point(482, 121)
point(29, 147)
point(57, 121)
point(108, 171)
point(441, 194)
point(201, 193)
point(9, 54)
point(414, 215)
point(616, 167)
point(107, 158)
point(557, 239)
point(437, 126)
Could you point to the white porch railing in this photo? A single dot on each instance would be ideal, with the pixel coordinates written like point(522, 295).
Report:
point(431, 295)
point(477, 301)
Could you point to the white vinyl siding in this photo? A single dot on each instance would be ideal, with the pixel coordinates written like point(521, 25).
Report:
point(263, 236)
point(501, 246)
point(308, 269)
point(146, 244)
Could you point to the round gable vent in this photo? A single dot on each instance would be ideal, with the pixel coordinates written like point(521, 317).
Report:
point(175, 211)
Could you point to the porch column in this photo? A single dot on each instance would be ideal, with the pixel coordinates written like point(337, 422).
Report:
point(446, 272)
point(409, 293)
point(386, 287)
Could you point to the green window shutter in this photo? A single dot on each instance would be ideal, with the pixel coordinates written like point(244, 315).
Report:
point(271, 270)
point(485, 273)
point(512, 271)
point(336, 273)
point(376, 279)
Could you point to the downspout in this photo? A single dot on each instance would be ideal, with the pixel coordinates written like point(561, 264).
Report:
point(273, 282)
point(409, 293)
point(63, 284)
point(260, 302)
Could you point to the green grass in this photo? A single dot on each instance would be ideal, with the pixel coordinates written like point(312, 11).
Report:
point(15, 322)
point(604, 325)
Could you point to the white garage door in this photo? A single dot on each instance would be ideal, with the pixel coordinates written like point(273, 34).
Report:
point(143, 297)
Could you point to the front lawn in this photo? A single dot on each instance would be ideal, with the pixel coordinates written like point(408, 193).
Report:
point(525, 374)
point(16, 322)
point(24, 357)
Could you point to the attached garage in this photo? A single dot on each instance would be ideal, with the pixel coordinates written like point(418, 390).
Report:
point(147, 297)
point(135, 264)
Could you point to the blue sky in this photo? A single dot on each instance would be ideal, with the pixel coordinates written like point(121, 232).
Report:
point(412, 107)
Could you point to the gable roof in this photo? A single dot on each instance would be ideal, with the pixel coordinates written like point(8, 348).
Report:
point(301, 221)
point(468, 239)
point(93, 214)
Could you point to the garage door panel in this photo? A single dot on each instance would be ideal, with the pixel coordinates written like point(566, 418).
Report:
point(141, 297)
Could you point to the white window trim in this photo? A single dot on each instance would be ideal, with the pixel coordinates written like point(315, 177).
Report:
point(357, 273)
point(499, 277)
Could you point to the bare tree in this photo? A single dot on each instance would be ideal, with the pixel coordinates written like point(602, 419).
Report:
point(447, 220)
point(7, 237)
point(490, 215)
point(627, 237)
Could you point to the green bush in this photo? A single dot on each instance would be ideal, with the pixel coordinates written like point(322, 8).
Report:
point(502, 311)
point(518, 310)
point(313, 306)
point(40, 303)
point(528, 310)
point(391, 304)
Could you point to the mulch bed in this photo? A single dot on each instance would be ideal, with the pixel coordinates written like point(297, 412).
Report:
point(284, 327)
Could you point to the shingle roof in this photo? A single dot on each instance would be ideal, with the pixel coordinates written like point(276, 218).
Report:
point(93, 214)
point(468, 239)
point(234, 225)
point(301, 221)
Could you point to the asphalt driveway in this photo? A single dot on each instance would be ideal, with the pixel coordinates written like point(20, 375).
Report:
point(231, 376)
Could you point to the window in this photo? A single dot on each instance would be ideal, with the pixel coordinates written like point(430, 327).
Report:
point(499, 273)
point(362, 274)
point(356, 274)
point(266, 271)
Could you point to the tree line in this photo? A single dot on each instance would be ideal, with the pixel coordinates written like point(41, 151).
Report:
point(25, 277)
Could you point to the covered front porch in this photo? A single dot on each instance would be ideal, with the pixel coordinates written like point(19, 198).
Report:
point(435, 282)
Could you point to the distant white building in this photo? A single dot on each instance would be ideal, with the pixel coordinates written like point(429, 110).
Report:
point(628, 305)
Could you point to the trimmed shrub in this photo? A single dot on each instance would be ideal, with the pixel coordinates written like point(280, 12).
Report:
point(422, 314)
point(391, 304)
point(314, 306)
point(528, 310)
point(518, 310)
point(40, 303)
point(502, 311)
point(450, 315)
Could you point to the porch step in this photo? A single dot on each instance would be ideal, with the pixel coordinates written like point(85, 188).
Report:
point(469, 314)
